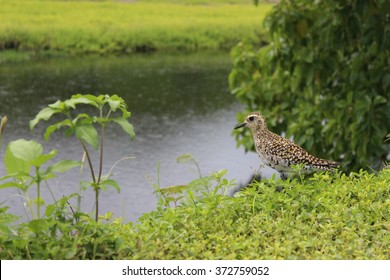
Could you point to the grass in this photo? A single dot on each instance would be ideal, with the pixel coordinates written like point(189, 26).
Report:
point(127, 26)
point(325, 217)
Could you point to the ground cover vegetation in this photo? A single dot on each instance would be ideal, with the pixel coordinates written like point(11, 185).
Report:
point(340, 217)
point(74, 27)
point(323, 79)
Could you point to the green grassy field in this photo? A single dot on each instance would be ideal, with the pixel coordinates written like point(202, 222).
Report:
point(127, 26)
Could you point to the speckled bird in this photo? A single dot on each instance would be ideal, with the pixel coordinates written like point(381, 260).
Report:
point(280, 153)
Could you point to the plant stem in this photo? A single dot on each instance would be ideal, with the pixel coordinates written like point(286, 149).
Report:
point(96, 188)
point(197, 167)
point(89, 161)
point(101, 154)
point(96, 203)
point(38, 193)
point(80, 185)
point(100, 173)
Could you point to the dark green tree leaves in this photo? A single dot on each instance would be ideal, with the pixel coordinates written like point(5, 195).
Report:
point(323, 78)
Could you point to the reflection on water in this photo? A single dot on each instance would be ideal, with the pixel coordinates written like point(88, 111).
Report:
point(180, 104)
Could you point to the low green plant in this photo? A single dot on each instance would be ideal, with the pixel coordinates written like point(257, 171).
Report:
point(198, 187)
point(24, 162)
point(82, 126)
point(189, 159)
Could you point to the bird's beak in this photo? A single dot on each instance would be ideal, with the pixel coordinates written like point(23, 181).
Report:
point(240, 125)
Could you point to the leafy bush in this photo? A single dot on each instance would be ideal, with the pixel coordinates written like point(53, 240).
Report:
point(340, 217)
point(323, 79)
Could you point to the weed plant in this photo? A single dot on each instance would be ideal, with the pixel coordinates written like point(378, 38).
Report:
point(83, 127)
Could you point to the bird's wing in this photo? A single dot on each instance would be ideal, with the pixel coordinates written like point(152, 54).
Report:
point(293, 154)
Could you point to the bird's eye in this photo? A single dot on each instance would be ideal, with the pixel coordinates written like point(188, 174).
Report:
point(251, 119)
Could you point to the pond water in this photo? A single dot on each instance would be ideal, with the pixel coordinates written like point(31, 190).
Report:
point(180, 104)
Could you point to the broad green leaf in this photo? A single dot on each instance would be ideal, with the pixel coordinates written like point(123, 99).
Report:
point(69, 131)
point(38, 225)
point(63, 166)
point(126, 126)
point(109, 182)
point(114, 104)
point(15, 165)
point(39, 161)
point(125, 114)
point(50, 209)
point(88, 133)
point(81, 116)
point(52, 128)
point(44, 114)
point(85, 99)
point(26, 150)
point(59, 105)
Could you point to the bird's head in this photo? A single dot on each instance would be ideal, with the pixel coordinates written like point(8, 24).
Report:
point(254, 121)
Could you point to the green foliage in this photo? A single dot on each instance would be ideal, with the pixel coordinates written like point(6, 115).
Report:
point(327, 217)
point(197, 188)
point(21, 156)
point(324, 78)
point(83, 127)
point(121, 27)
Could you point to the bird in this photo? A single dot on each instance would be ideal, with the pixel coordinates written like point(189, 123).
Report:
point(280, 153)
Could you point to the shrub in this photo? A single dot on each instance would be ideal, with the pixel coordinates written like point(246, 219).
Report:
point(323, 79)
point(326, 217)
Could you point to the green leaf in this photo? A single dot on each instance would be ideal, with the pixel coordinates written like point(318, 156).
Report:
point(26, 150)
point(15, 165)
point(50, 209)
point(11, 184)
point(173, 189)
point(185, 158)
point(110, 182)
point(52, 128)
point(88, 99)
point(379, 100)
point(58, 105)
point(63, 166)
point(126, 126)
point(44, 114)
point(38, 225)
point(114, 104)
point(88, 133)
point(43, 158)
